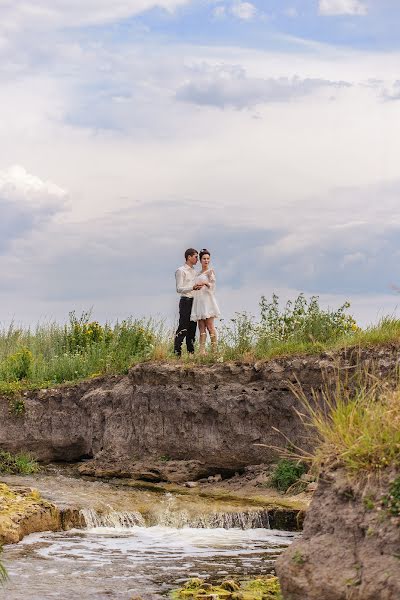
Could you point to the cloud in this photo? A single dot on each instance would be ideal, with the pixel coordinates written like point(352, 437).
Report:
point(244, 10)
point(342, 7)
point(43, 14)
point(230, 86)
point(26, 203)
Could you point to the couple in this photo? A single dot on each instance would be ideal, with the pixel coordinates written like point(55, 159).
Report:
point(197, 304)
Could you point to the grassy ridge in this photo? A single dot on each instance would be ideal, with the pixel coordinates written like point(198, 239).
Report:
point(53, 353)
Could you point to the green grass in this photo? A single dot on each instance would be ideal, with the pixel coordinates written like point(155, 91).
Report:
point(286, 473)
point(18, 464)
point(53, 354)
point(357, 424)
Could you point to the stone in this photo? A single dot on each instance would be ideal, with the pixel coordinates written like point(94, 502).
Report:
point(222, 416)
point(336, 553)
point(191, 484)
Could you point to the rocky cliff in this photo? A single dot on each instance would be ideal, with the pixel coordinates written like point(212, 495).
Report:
point(350, 548)
point(212, 414)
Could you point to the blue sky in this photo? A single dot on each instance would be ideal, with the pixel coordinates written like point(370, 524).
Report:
point(267, 131)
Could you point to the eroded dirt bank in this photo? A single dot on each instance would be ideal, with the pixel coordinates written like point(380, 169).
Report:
point(215, 415)
point(350, 547)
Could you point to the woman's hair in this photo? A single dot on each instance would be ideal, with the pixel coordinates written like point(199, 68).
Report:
point(203, 252)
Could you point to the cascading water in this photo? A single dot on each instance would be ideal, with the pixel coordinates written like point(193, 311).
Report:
point(138, 543)
point(93, 519)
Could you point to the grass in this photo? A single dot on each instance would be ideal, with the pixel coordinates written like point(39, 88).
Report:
point(21, 463)
point(3, 572)
point(286, 473)
point(52, 354)
point(357, 425)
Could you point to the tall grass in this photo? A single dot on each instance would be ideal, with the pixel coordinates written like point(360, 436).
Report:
point(54, 353)
point(357, 426)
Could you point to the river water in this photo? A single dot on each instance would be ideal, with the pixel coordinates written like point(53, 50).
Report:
point(136, 555)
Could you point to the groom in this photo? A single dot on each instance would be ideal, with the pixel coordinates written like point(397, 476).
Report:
point(185, 286)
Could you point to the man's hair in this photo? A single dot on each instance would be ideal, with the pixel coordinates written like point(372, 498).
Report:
point(190, 252)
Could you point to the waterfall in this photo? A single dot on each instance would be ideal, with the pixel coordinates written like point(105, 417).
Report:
point(251, 519)
point(113, 518)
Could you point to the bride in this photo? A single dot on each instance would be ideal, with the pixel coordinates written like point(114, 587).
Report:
point(205, 308)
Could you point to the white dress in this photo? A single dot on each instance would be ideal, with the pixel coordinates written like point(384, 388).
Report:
point(204, 303)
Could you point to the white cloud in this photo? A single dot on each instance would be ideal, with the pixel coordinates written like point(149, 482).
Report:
point(148, 175)
point(26, 203)
point(244, 10)
point(43, 14)
point(17, 185)
point(342, 7)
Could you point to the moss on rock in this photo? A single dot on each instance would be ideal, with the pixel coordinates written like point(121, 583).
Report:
point(23, 511)
point(260, 588)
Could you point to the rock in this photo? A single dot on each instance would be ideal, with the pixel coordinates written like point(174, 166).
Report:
point(214, 478)
point(191, 484)
point(23, 511)
point(217, 415)
point(349, 548)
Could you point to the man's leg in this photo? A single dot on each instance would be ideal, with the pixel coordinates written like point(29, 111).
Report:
point(191, 334)
point(185, 308)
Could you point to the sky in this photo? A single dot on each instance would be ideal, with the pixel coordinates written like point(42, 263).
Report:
point(266, 131)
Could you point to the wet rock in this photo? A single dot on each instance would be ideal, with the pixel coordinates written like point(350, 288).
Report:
point(155, 471)
point(23, 511)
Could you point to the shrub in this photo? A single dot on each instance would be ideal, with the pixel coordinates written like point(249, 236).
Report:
point(21, 463)
point(19, 364)
point(286, 473)
point(81, 333)
point(303, 320)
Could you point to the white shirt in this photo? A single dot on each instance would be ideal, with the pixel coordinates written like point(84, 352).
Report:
point(185, 279)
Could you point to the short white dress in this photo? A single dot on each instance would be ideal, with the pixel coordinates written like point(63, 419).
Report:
point(204, 303)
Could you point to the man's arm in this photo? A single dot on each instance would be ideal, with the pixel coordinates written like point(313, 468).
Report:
point(180, 283)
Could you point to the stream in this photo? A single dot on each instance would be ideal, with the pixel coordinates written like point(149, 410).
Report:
point(137, 543)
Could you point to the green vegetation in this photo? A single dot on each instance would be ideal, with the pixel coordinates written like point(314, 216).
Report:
point(261, 588)
point(54, 354)
point(20, 463)
point(391, 501)
point(3, 572)
point(358, 425)
point(287, 473)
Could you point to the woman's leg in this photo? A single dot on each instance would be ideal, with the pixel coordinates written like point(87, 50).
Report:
point(203, 336)
point(211, 330)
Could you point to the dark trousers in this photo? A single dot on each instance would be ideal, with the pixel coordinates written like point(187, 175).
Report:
point(186, 328)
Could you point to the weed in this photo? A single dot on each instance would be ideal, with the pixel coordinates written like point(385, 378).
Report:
point(17, 406)
point(21, 463)
point(369, 503)
point(3, 572)
point(286, 473)
point(391, 501)
point(52, 354)
point(298, 558)
point(356, 426)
